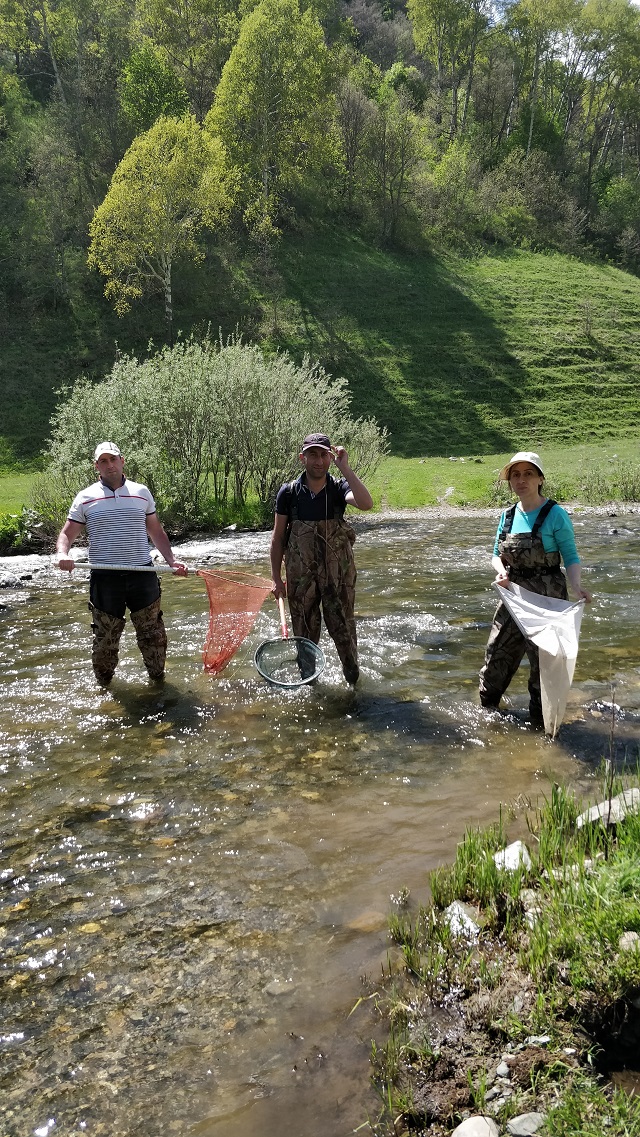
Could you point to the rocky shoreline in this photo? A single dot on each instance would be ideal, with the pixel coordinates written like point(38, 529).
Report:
point(504, 1019)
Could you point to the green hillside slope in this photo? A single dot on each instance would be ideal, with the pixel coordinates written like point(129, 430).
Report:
point(454, 356)
point(459, 356)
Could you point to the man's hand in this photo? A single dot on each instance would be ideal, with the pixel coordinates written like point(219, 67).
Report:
point(279, 589)
point(179, 569)
point(341, 458)
point(67, 564)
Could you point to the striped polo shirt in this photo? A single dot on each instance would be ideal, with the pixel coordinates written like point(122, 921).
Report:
point(116, 522)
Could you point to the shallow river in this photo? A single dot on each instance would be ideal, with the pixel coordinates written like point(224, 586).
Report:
point(195, 878)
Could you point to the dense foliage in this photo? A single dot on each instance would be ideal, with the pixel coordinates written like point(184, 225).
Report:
point(454, 122)
point(210, 428)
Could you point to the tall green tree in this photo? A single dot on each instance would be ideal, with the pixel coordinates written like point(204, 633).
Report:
point(149, 88)
point(448, 34)
point(274, 107)
point(171, 184)
point(197, 36)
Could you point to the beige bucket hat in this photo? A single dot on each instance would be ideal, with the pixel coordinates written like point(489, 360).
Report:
point(522, 456)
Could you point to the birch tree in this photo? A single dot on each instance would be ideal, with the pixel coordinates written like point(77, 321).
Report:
point(171, 184)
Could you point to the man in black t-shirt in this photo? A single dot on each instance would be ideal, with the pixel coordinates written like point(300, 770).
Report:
point(316, 542)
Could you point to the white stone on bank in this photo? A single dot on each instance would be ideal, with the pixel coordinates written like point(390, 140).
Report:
point(515, 856)
point(613, 810)
point(525, 1124)
point(477, 1127)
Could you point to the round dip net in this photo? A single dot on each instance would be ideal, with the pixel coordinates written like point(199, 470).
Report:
point(235, 598)
point(289, 662)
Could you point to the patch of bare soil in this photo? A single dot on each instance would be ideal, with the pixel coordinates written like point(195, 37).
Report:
point(460, 1060)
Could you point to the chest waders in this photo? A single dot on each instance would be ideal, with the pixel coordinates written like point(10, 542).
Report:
point(321, 570)
point(527, 563)
point(111, 593)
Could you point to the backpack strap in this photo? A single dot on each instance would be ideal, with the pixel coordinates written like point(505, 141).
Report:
point(333, 498)
point(543, 514)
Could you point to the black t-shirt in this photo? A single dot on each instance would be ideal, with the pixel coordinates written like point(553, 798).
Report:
point(313, 507)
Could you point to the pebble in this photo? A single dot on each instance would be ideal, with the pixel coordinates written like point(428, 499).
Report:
point(525, 1124)
point(477, 1127)
point(503, 1070)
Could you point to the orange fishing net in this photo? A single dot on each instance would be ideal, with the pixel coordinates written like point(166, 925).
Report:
point(235, 598)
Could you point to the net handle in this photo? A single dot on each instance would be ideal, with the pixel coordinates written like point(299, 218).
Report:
point(283, 619)
point(87, 567)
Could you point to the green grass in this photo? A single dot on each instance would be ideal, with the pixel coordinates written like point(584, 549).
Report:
point(15, 490)
point(590, 473)
point(464, 357)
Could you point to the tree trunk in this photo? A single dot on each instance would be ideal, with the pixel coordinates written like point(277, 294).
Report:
point(168, 299)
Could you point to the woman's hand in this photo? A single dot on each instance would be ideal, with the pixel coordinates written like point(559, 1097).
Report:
point(501, 571)
point(582, 594)
point(573, 576)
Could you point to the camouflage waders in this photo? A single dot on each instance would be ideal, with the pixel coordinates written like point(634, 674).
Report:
point(151, 637)
point(118, 591)
point(530, 566)
point(107, 630)
point(320, 569)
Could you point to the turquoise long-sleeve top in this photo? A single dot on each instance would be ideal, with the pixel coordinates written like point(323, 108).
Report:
point(556, 531)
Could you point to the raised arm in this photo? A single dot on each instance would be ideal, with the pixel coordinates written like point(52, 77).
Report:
point(358, 494)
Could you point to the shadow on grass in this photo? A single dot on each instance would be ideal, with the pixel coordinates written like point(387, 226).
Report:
point(418, 352)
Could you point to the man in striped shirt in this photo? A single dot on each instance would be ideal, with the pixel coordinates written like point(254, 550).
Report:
point(120, 518)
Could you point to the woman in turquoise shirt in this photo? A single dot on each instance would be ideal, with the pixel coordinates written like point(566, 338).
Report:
point(533, 537)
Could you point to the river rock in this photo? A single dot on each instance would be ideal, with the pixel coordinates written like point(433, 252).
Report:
point(513, 857)
point(9, 580)
point(461, 922)
point(279, 987)
point(613, 811)
point(525, 1124)
point(477, 1127)
point(503, 1070)
point(629, 941)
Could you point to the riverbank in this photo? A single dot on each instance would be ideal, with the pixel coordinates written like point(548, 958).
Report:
point(512, 998)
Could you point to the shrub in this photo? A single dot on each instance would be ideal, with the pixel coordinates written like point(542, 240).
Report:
point(205, 425)
point(21, 532)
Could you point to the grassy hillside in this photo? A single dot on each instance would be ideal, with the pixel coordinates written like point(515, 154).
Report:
point(454, 356)
point(481, 356)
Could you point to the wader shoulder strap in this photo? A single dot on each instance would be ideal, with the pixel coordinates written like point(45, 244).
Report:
point(508, 521)
point(544, 513)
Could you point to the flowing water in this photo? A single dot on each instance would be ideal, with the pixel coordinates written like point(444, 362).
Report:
point(196, 878)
